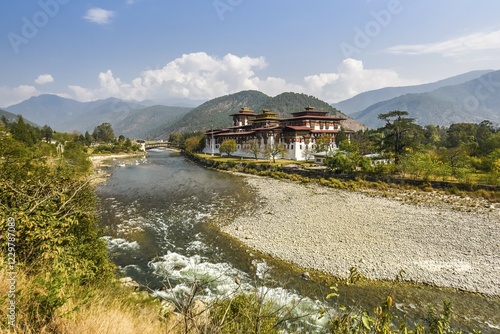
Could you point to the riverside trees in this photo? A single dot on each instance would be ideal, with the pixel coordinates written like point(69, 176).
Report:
point(462, 151)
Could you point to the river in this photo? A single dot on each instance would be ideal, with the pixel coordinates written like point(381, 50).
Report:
point(158, 216)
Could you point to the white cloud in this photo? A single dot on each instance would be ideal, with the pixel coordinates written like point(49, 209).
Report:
point(351, 79)
point(200, 76)
point(44, 79)
point(482, 41)
point(10, 96)
point(99, 15)
point(195, 75)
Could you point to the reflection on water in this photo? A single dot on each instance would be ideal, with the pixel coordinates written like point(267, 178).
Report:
point(156, 213)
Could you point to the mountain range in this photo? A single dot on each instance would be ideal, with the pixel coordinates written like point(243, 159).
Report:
point(471, 97)
point(472, 101)
point(138, 120)
point(216, 113)
point(364, 100)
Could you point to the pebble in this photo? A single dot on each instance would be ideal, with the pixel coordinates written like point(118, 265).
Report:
point(438, 241)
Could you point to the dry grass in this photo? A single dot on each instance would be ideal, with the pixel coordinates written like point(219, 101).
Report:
point(108, 310)
point(111, 317)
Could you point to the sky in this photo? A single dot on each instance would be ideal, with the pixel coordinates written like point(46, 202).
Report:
point(202, 49)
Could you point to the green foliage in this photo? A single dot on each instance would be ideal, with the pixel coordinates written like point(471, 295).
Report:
point(228, 146)
point(76, 157)
point(53, 206)
point(25, 133)
point(245, 313)
point(47, 133)
point(104, 133)
point(194, 143)
point(400, 133)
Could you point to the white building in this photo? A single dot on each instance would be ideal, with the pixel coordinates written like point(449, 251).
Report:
point(298, 135)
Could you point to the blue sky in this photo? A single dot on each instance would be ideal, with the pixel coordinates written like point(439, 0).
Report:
point(201, 49)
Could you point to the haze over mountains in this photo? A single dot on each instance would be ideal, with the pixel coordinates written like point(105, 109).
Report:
point(136, 120)
point(366, 99)
point(470, 97)
point(472, 101)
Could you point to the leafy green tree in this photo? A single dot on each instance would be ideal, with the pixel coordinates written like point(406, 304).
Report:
point(4, 121)
point(76, 156)
point(341, 161)
point(457, 158)
point(400, 133)
point(47, 133)
point(461, 134)
point(175, 138)
point(341, 136)
point(194, 144)
point(367, 141)
point(228, 146)
point(322, 143)
point(104, 133)
point(88, 139)
point(21, 132)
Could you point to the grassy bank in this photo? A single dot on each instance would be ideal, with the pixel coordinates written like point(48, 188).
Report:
point(385, 182)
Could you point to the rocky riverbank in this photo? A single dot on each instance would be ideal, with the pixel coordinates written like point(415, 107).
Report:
point(439, 240)
point(106, 160)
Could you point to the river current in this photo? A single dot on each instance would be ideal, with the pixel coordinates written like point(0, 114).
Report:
point(158, 215)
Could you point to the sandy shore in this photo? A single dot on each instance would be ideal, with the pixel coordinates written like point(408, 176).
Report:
point(98, 161)
point(442, 243)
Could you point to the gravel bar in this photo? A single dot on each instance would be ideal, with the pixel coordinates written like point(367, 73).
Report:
point(332, 230)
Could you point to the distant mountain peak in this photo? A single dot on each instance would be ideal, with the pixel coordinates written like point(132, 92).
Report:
point(366, 99)
point(472, 101)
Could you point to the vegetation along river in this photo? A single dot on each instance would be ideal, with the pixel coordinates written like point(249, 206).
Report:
point(159, 212)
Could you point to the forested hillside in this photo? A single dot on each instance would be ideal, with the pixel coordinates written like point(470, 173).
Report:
point(215, 113)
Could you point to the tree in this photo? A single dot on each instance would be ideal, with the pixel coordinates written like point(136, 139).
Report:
point(275, 150)
point(308, 152)
point(228, 146)
point(47, 133)
point(461, 134)
point(104, 133)
point(121, 138)
point(254, 148)
point(21, 132)
point(399, 133)
point(340, 137)
point(175, 138)
point(322, 143)
point(88, 139)
point(193, 144)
